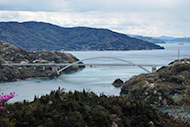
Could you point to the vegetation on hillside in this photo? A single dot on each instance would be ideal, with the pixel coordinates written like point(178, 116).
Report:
point(12, 54)
point(33, 36)
point(1, 62)
point(168, 86)
point(85, 109)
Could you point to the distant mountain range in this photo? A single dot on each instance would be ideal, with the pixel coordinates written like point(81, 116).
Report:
point(185, 39)
point(150, 39)
point(165, 38)
point(161, 39)
point(33, 36)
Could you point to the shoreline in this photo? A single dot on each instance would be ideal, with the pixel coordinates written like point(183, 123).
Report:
point(30, 79)
point(57, 76)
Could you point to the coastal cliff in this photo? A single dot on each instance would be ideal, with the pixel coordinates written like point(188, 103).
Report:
point(12, 54)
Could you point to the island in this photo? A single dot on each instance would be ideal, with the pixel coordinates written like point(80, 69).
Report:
point(35, 36)
point(11, 54)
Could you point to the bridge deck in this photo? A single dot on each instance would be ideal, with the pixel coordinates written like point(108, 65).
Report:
point(95, 64)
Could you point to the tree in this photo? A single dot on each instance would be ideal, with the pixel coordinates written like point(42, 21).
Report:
point(1, 62)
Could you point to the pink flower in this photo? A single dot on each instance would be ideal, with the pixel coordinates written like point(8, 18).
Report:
point(4, 98)
point(2, 107)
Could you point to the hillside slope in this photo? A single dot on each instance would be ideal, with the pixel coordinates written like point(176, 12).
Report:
point(33, 36)
point(12, 54)
point(168, 86)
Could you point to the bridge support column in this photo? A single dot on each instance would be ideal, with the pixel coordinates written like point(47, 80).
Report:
point(34, 67)
point(44, 68)
point(153, 69)
point(54, 68)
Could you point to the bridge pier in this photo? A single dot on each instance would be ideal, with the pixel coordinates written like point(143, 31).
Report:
point(153, 69)
point(34, 67)
point(44, 68)
point(54, 68)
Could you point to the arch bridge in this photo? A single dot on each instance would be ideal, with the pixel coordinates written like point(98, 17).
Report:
point(128, 63)
point(78, 63)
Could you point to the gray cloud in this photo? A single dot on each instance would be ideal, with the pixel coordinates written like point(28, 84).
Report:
point(33, 5)
point(145, 17)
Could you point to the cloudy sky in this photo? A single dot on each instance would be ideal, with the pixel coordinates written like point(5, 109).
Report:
point(143, 17)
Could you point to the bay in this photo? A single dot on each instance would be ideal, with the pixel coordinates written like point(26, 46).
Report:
point(97, 79)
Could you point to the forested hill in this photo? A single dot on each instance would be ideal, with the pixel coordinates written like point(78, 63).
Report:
point(12, 54)
point(32, 36)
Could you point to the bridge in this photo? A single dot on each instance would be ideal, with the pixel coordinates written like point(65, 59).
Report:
point(78, 63)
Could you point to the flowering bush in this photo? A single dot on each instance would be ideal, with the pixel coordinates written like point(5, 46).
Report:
point(4, 98)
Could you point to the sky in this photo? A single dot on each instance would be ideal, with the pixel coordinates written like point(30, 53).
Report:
point(143, 17)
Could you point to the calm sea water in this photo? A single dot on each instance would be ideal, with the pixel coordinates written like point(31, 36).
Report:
point(99, 78)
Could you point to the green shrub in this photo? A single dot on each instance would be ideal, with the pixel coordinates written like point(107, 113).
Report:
point(83, 109)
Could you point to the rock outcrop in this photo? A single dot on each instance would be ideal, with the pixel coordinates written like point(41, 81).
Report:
point(117, 83)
